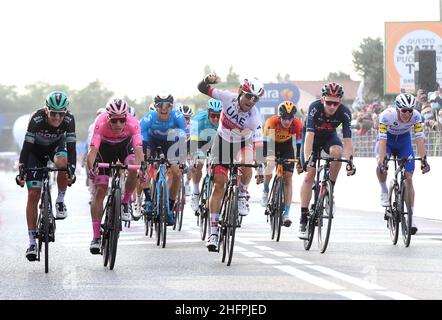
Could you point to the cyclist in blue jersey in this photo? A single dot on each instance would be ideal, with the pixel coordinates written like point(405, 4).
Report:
point(203, 130)
point(164, 128)
point(319, 133)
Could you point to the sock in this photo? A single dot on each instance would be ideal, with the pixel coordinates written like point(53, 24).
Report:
point(126, 197)
point(266, 187)
point(304, 213)
point(384, 186)
point(32, 234)
point(96, 224)
point(243, 188)
point(287, 210)
point(147, 194)
point(214, 218)
point(196, 188)
point(60, 197)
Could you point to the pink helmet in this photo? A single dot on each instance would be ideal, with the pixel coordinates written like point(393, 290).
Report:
point(117, 107)
point(253, 86)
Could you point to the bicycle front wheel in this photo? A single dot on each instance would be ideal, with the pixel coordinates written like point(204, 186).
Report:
point(325, 216)
point(310, 229)
point(180, 206)
point(406, 214)
point(163, 215)
point(115, 226)
point(280, 206)
point(45, 228)
point(232, 225)
point(393, 214)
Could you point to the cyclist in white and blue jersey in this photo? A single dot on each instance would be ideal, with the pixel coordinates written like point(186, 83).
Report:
point(395, 127)
point(203, 130)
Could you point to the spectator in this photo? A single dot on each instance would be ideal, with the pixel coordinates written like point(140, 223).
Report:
point(439, 118)
point(421, 97)
point(435, 100)
point(365, 120)
point(429, 118)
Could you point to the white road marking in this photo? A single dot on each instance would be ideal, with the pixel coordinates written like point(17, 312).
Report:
point(298, 261)
point(395, 295)
point(317, 281)
point(250, 254)
point(352, 295)
point(341, 276)
point(268, 261)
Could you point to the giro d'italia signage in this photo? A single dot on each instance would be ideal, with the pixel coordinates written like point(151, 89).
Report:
point(275, 93)
point(402, 39)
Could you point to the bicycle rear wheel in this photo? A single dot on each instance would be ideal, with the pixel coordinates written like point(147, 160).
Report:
point(232, 225)
point(325, 216)
point(406, 214)
point(115, 226)
point(392, 214)
point(280, 206)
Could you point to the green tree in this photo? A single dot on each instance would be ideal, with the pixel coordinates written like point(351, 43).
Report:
point(336, 76)
point(368, 61)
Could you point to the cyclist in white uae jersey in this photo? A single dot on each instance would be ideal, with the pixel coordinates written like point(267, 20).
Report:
point(395, 137)
point(240, 128)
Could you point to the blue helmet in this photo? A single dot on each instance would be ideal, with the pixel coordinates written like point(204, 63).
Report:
point(214, 105)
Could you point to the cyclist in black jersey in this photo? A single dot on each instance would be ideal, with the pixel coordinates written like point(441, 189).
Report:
point(319, 133)
point(50, 136)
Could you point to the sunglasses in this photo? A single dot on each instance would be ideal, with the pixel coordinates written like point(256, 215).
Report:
point(163, 104)
point(287, 118)
point(214, 115)
point(115, 120)
point(250, 96)
point(332, 103)
point(406, 110)
point(53, 114)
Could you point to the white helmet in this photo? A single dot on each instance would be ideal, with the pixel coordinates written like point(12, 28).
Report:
point(132, 111)
point(405, 100)
point(253, 86)
point(117, 107)
point(185, 110)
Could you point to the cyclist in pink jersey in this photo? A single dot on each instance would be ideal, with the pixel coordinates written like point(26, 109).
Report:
point(116, 137)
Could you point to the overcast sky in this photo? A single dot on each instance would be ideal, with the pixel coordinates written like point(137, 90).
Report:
point(139, 48)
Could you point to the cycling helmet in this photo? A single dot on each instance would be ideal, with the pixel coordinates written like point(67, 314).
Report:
point(405, 100)
point(185, 110)
point(253, 86)
point(151, 107)
point(117, 107)
point(214, 105)
point(287, 108)
point(163, 97)
point(332, 90)
point(100, 111)
point(57, 100)
point(132, 111)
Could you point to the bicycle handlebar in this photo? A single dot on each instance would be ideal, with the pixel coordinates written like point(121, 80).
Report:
point(130, 167)
point(23, 171)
